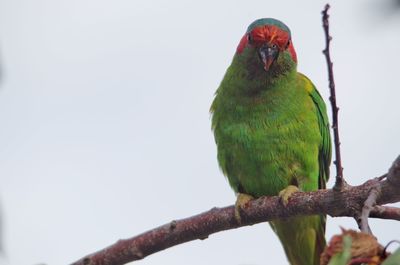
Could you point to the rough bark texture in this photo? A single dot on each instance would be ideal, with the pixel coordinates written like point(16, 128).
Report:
point(347, 202)
point(340, 182)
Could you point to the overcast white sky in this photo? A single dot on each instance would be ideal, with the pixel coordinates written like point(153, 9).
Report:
point(105, 130)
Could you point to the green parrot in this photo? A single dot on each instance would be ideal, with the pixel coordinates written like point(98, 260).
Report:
point(272, 133)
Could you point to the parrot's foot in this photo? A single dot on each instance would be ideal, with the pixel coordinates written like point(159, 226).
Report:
point(241, 200)
point(286, 193)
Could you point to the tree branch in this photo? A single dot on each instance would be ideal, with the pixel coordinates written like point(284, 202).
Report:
point(348, 202)
point(367, 208)
point(385, 212)
point(340, 182)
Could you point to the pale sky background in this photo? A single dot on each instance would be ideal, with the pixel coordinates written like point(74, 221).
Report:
point(105, 131)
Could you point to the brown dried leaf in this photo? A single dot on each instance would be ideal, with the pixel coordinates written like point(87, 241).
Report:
point(364, 247)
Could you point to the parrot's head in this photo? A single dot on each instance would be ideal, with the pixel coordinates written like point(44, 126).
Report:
point(267, 46)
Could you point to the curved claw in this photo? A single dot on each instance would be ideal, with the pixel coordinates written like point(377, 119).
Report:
point(241, 200)
point(286, 193)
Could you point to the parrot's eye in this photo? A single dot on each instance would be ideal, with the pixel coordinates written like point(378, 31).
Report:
point(274, 46)
point(287, 44)
point(249, 38)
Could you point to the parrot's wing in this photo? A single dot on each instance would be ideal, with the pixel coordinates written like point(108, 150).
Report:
point(324, 155)
point(325, 149)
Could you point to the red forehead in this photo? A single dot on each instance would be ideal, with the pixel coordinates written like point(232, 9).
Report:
point(270, 34)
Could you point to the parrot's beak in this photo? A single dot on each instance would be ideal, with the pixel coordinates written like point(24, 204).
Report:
point(268, 55)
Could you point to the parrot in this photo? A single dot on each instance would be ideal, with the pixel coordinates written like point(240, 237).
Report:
point(272, 133)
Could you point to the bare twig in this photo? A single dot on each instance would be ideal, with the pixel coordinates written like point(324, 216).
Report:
point(349, 202)
point(388, 245)
point(382, 177)
point(340, 183)
point(367, 208)
point(385, 212)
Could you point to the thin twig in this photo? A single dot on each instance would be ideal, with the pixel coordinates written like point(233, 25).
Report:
point(385, 212)
point(383, 176)
point(340, 183)
point(388, 245)
point(367, 208)
point(263, 209)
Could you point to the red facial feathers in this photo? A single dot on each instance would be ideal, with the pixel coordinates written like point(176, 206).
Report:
point(292, 51)
point(243, 43)
point(268, 34)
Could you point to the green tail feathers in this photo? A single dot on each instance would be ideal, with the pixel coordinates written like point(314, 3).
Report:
point(303, 238)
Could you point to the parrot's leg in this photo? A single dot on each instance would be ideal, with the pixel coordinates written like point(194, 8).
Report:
point(286, 193)
point(241, 200)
